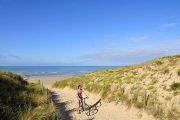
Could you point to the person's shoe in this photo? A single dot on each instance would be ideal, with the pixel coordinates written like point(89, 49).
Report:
point(79, 112)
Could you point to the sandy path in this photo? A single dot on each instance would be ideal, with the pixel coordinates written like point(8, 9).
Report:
point(108, 111)
point(65, 102)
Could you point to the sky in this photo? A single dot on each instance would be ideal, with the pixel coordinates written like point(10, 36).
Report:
point(87, 32)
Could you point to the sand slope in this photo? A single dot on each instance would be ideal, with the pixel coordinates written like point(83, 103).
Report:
point(157, 82)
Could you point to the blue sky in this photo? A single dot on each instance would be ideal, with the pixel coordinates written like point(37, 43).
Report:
point(87, 32)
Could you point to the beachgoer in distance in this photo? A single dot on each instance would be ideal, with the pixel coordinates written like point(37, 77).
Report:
point(80, 95)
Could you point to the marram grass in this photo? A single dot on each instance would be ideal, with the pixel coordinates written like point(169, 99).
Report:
point(20, 100)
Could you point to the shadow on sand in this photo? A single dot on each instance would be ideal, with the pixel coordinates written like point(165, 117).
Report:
point(93, 109)
point(66, 114)
point(61, 107)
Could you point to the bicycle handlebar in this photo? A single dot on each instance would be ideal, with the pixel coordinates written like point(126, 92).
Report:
point(85, 97)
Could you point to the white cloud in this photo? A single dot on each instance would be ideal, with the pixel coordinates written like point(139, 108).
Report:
point(133, 56)
point(139, 38)
point(169, 25)
point(9, 56)
point(9, 59)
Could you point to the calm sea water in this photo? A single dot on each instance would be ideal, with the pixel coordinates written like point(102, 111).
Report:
point(43, 71)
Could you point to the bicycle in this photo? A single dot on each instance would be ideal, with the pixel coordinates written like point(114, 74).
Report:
point(89, 109)
point(83, 104)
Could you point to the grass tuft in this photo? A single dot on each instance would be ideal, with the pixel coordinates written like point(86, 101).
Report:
point(175, 86)
point(158, 62)
point(173, 114)
point(168, 98)
point(154, 81)
point(166, 71)
point(139, 104)
point(178, 72)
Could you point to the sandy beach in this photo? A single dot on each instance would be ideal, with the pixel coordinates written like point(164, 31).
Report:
point(46, 81)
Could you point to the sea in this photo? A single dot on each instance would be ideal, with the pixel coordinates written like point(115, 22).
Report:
point(53, 71)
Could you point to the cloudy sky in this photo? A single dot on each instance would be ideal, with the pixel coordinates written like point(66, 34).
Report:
point(87, 32)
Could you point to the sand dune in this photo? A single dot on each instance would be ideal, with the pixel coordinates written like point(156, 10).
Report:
point(65, 102)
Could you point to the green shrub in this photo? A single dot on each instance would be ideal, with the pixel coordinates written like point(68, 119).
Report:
point(159, 62)
point(175, 86)
point(178, 72)
point(139, 104)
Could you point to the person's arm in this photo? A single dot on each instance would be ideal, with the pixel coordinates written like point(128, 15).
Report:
point(85, 94)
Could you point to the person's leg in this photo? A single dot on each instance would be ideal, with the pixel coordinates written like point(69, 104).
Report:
point(79, 106)
point(82, 104)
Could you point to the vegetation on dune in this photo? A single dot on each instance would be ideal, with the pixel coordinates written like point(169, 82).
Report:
point(142, 86)
point(20, 100)
point(166, 71)
point(158, 62)
point(178, 72)
point(175, 86)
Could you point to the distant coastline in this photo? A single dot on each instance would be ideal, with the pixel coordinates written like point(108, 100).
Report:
point(53, 71)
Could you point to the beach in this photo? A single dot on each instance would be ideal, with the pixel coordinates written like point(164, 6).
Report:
point(46, 81)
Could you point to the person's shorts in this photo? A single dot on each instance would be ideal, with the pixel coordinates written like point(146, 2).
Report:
point(78, 101)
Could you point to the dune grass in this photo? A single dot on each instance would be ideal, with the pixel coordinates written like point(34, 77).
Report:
point(20, 100)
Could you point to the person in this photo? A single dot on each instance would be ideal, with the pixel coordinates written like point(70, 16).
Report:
point(79, 96)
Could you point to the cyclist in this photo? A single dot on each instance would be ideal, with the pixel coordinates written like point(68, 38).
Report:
point(79, 96)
